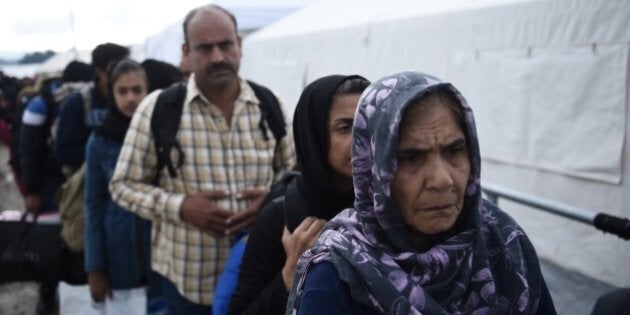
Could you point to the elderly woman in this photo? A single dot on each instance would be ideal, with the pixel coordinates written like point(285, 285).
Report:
point(420, 238)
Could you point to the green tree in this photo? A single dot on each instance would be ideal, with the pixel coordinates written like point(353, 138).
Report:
point(36, 57)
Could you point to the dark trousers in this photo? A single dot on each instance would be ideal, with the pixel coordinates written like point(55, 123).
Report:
point(176, 304)
point(613, 303)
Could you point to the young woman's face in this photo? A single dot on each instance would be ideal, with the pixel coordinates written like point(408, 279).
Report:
point(340, 119)
point(432, 170)
point(129, 90)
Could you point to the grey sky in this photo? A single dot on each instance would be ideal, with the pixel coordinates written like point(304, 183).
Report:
point(34, 25)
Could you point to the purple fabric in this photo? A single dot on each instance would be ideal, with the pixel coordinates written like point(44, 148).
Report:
point(484, 264)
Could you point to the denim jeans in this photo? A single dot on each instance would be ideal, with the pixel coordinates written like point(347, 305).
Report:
point(176, 304)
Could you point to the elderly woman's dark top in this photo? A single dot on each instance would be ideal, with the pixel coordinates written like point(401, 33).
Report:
point(326, 293)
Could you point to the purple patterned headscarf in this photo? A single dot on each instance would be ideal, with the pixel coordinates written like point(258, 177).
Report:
point(484, 264)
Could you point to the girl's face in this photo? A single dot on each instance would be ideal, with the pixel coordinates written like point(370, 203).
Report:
point(340, 119)
point(129, 90)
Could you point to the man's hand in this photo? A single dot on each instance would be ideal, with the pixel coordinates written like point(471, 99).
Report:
point(201, 211)
point(99, 286)
point(33, 203)
point(246, 217)
point(297, 243)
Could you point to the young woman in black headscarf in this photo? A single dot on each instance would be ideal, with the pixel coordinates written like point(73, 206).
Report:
point(288, 225)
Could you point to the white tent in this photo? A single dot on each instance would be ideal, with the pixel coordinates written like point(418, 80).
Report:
point(548, 81)
point(251, 16)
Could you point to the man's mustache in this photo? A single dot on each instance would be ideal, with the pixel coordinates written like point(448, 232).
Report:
point(219, 67)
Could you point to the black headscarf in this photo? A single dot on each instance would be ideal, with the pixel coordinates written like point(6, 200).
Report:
point(115, 124)
point(310, 130)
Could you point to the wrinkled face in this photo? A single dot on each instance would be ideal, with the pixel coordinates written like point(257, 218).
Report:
point(340, 119)
point(433, 168)
point(129, 90)
point(213, 50)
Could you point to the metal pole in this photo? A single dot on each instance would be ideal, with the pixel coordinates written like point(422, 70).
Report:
point(74, 35)
point(541, 203)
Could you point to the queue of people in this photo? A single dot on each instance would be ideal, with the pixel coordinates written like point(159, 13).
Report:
point(382, 212)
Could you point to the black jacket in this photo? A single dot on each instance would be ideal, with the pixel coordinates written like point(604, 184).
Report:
point(260, 289)
point(37, 163)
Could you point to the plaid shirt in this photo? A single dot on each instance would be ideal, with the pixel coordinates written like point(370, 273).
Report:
point(217, 157)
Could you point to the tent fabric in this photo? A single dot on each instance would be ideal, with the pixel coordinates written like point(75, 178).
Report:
point(557, 109)
point(388, 38)
point(547, 79)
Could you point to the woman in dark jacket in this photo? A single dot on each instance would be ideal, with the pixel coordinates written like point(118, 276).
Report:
point(116, 240)
point(322, 127)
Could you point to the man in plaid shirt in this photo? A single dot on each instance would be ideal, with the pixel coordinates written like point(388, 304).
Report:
point(228, 166)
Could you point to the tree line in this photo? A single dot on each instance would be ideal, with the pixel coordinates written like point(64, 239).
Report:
point(36, 57)
point(29, 58)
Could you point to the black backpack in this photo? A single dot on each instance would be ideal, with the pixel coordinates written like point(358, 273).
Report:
point(167, 116)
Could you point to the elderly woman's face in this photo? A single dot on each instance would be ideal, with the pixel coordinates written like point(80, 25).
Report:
point(433, 168)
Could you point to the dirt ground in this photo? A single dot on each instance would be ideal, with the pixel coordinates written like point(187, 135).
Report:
point(10, 198)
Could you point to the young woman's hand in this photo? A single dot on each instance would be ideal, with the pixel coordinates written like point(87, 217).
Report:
point(32, 203)
point(296, 243)
point(99, 286)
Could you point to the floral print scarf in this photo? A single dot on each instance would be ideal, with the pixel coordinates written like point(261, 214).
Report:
point(484, 264)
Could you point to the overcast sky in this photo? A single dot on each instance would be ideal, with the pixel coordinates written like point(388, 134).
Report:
point(37, 25)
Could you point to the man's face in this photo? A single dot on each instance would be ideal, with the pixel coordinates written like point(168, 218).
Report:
point(213, 49)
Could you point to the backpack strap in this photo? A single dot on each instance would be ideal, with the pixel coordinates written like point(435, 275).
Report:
point(164, 125)
point(167, 116)
point(86, 95)
point(270, 111)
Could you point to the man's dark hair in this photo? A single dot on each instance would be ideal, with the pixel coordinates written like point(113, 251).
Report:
point(104, 54)
point(160, 74)
point(352, 86)
point(194, 11)
point(77, 71)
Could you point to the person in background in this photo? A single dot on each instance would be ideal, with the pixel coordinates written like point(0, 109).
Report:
point(226, 169)
point(5, 122)
point(10, 88)
point(81, 113)
point(77, 77)
point(420, 238)
point(287, 226)
point(40, 170)
point(184, 67)
point(160, 74)
point(14, 116)
point(117, 242)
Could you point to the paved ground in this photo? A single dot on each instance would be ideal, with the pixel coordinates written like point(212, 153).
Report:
point(572, 293)
point(19, 298)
